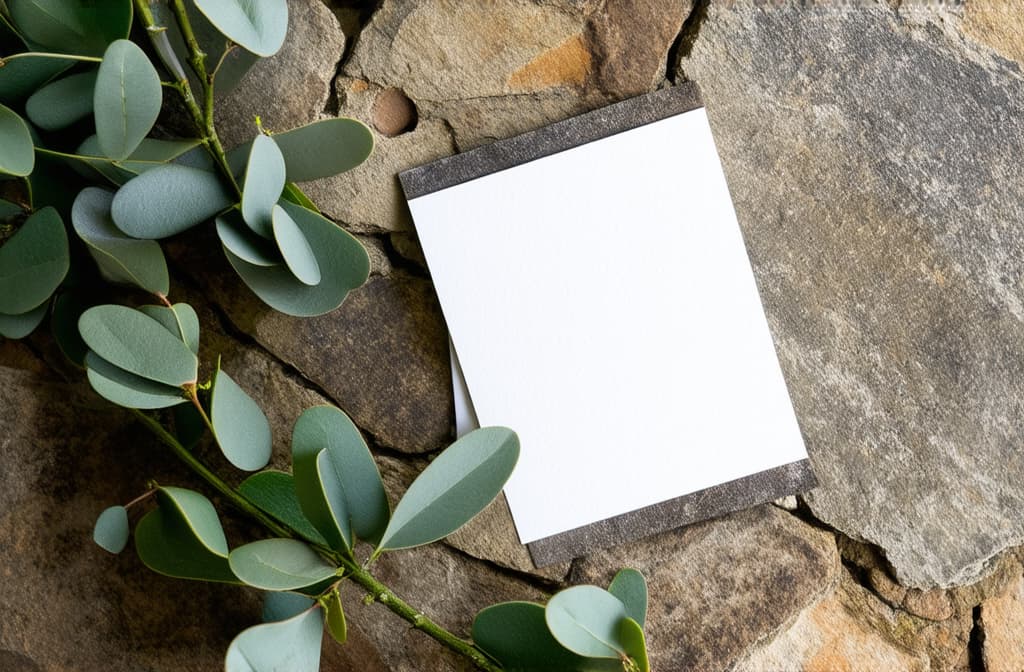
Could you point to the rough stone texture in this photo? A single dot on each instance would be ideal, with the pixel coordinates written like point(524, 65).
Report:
point(1002, 622)
point(874, 159)
point(732, 581)
point(828, 638)
point(292, 87)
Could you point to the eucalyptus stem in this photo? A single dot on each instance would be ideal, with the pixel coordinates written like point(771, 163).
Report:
point(202, 118)
point(45, 54)
point(376, 590)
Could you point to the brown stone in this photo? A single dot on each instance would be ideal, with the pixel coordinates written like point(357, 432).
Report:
point(1002, 625)
point(998, 24)
point(393, 113)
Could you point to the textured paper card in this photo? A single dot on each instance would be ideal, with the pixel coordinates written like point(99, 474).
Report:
point(600, 299)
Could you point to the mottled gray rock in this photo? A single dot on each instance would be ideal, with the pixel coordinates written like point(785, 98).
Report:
point(720, 587)
point(292, 87)
point(874, 159)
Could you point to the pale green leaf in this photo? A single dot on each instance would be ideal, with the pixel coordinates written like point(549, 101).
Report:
point(20, 326)
point(324, 148)
point(240, 240)
point(516, 635)
point(295, 249)
point(135, 342)
point(72, 26)
point(62, 102)
point(335, 617)
point(292, 645)
point(120, 258)
point(631, 635)
point(111, 530)
point(274, 493)
point(259, 26)
point(17, 155)
point(585, 620)
point(33, 262)
point(280, 606)
point(183, 538)
point(126, 389)
point(264, 180)
point(239, 425)
point(126, 100)
point(180, 319)
point(459, 484)
point(167, 200)
point(630, 587)
point(343, 263)
point(23, 76)
point(279, 564)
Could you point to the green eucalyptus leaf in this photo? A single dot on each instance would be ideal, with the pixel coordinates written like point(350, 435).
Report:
point(516, 635)
point(343, 263)
point(53, 183)
point(298, 255)
point(458, 485)
point(180, 319)
point(240, 240)
point(292, 645)
point(183, 538)
point(631, 634)
point(20, 326)
point(17, 155)
point(324, 148)
point(120, 259)
point(150, 154)
point(274, 493)
point(326, 441)
point(264, 181)
point(33, 262)
point(72, 26)
point(126, 389)
point(239, 425)
point(293, 194)
point(167, 200)
point(22, 76)
point(9, 210)
point(279, 606)
point(259, 27)
point(111, 530)
point(585, 620)
point(135, 342)
point(335, 617)
point(62, 102)
point(630, 587)
point(279, 564)
point(126, 100)
point(67, 308)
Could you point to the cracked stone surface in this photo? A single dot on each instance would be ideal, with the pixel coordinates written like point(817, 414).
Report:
point(874, 159)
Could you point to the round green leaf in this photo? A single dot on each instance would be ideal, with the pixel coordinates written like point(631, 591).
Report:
point(63, 102)
point(33, 262)
point(456, 486)
point(20, 326)
point(516, 635)
point(180, 319)
point(167, 200)
point(324, 148)
point(585, 620)
point(67, 308)
point(293, 194)
point(274, 493)
point(111, 530)
point(343, 263)
point(260, 26)
point(335, 617)
point(17, 155)
point(72, 26)
point(292, 645)
point(9, 210)
point(630, 587)
point(264, 181)
point(21, 77)
point(121, 259)
point(631, 634)
point(279, 564)
point(335, 472)
point(282, 606)
point(239, 425)
point(295, 249)
point(244, 244)
point(126, 389)
point(183, 538)
point(135, 342)
point(126, 100)
point(150, 154)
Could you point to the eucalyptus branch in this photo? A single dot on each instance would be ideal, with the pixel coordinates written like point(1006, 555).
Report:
point(376, 590)
point(202, 118)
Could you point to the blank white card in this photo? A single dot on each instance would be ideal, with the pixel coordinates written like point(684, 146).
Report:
point(602, 305)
